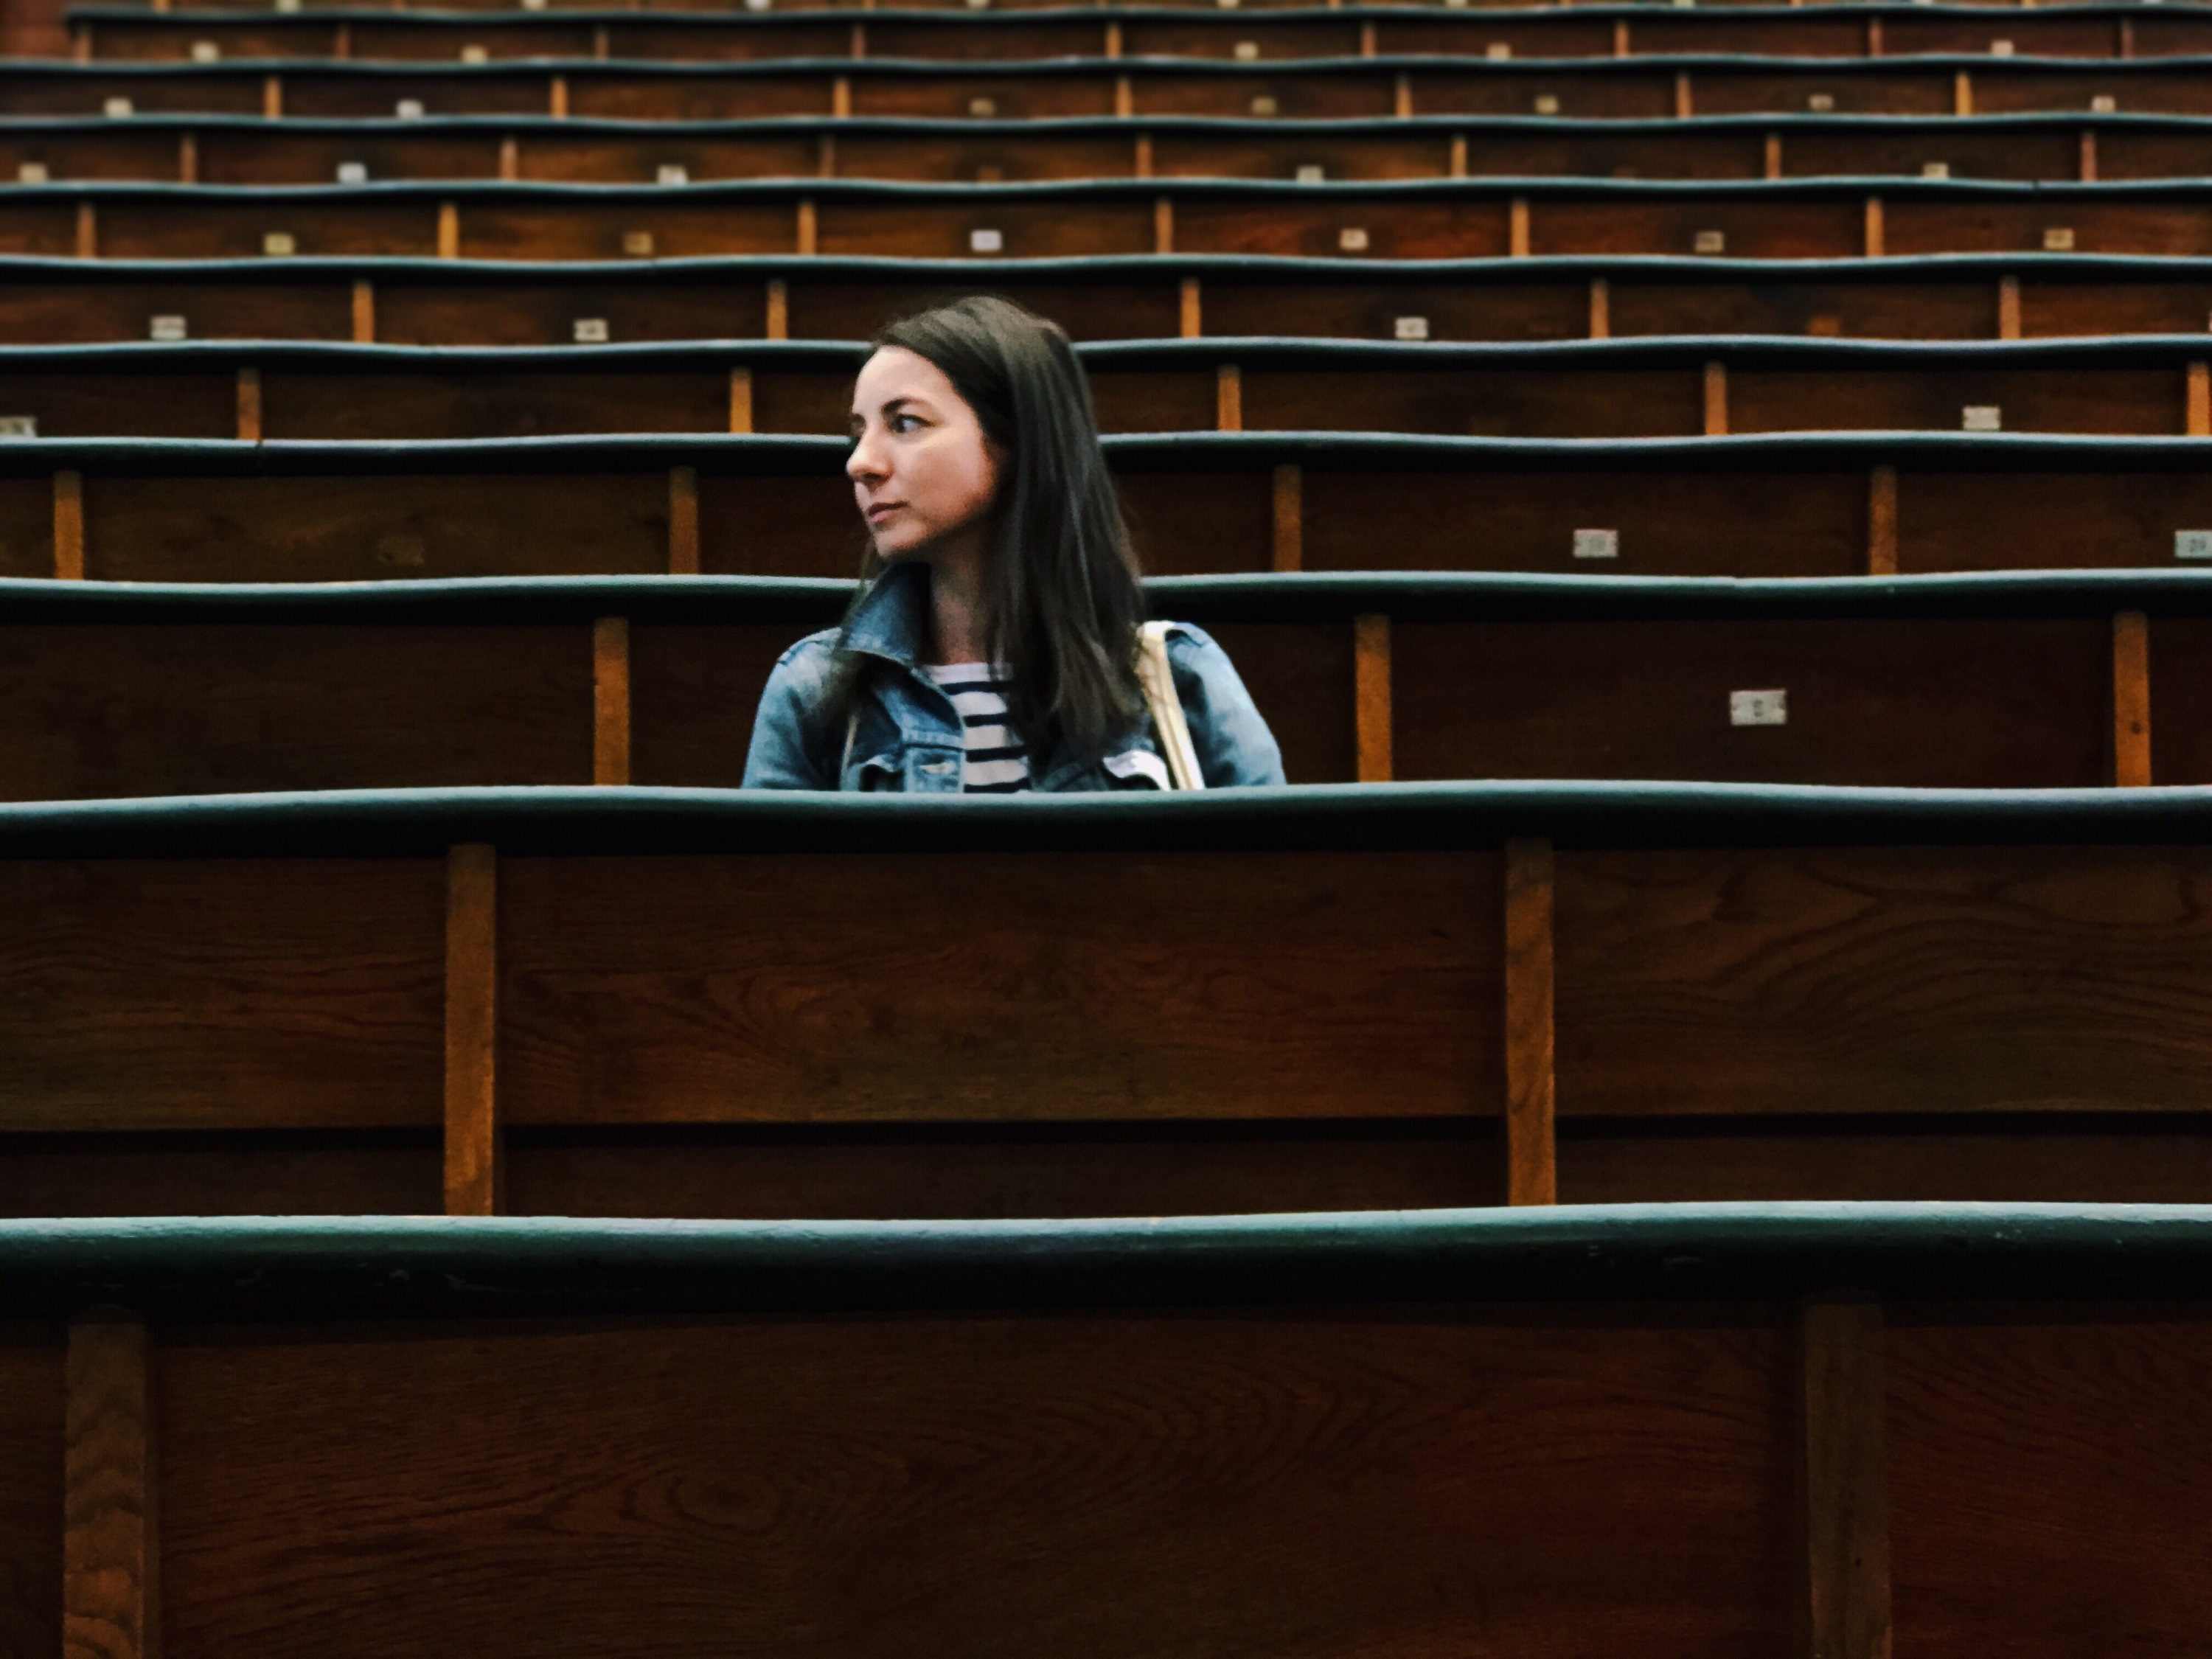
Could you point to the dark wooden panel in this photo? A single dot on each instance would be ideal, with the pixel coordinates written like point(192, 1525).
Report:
point(1370, 311)
point(79, 307)
point(607, 158)
point(1197, 986)
point(1156, 400)
point(1914, 704)
point(26, 527)
point(1300, 674)
point(1883, 980)
point(1967, 153)
point(967, 1171)
point(701, 97)
point(944, 230)
point(1295, 97)
point(336, 91)
point(693, 695)
point(1895, 92)
point(2049, 1486)
point(1977, 521)
point(2181, 700)
point(1432, 229)
point(2097, 226)
point(293, 529)
point(1008, 97)
point(1957, 310)
point(2001, 1159)
point(2178, 307)
point(151, 405)
point(239, 994)
point(393, 1172)
point(30, 1490)
point(2145, 401)
point(91, 711)
point(119, 155)
point(531, 315)
point(576, 230)
point(1533, 402)
point(1128, 310)
point(486, 404)
point(228, 156)
point(991, 1486)
point(1189, 524)
point(235, 230)
point(769, 527)
point(1264, 155)
point(1559, 91)
point(1710, 524)
point(1749, 229)
point(985, 157)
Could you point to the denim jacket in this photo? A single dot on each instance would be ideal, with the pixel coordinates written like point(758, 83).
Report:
point(909, 737)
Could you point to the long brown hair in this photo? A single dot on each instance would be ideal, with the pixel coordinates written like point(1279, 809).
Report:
point(1062, 600)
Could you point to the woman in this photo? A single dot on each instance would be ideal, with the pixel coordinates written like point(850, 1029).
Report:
point(992, 645)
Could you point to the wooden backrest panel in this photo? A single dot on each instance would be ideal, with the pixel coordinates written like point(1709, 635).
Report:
point(1873, 980)
point(1086, 1485)
point(224, 994)
point(30, 1489)
point(1198, 986)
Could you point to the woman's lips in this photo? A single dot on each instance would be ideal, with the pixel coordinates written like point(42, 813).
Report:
point(881, 510)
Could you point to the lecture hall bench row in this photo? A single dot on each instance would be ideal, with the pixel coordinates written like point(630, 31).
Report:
point(1683, 87)
point(2102, 31)
point(503, 302)
point(1441, 219)
point(295, 151)
point(1710, 386)
point(628, 1001)
point(2062, 680)
point(1788, 504)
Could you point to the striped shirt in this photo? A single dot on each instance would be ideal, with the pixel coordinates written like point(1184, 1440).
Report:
point(994, 761)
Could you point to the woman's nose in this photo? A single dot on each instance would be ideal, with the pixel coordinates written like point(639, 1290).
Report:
point(865, 464)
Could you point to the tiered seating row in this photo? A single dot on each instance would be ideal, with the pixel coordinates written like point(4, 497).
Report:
point(2010, 682)
point(1354, 997)
point(1495, 35)
point(217, 150)
point(1648, 88)
point(504, 302)
point(1400, 219)
point(1712, 385)
point(1806, 504)
point(1113, 1437)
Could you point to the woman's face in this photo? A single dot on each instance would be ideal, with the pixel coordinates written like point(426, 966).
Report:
point(923, 473)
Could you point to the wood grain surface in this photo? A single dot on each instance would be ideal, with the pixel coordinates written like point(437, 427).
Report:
point(237, 993)
point(111, 1544)
point(216, 1172)
point(1846, 1478)
point(1267, 1485)
point(2050, 1485)
point(30, 1421)
point(2018, 702)
point(798, 988)
point(1883, 980)
point(101, 711)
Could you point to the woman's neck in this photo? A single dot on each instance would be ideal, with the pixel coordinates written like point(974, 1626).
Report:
point(956, 604)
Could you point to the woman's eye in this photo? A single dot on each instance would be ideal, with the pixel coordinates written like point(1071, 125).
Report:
point(905, 423)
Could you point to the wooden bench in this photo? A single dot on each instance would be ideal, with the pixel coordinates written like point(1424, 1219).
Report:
point(2048, 680)
point(505, 302)
point(1797, 504)
point(1404, 219)
point(1682, 85)
point(2155, 385)
point(1358, 996)
point(1290, 1436)
point(107, 33)
point(293, 150)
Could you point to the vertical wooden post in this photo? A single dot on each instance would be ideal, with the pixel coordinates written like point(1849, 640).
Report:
point(825, 156)
point(1192, 316)
point(840, 97)
point(2088, 152)
point(610, 700)
point(272, 97)
point(69, 526)
point(1962, 93)
point(1370, 697)
point(449, 230)
point(1717, 409)
point(472, 1030)
point(2196, 415)
point(741, 398)
point(1367, 40)
point(1882, 522)
point(1163, 224)
point(188, 158)
point(110, 1558)
point(1402, 98)
point(1125, 97)
point(1874, 36)
point(2008, 307)
point(249, 405)
point(776, 325)
point(1685, 105)
point(809, 227)
point(1621, 48)
point(510, 158)
point(1846, 1479)
point(1290, 538)
point(1877, 237)
point(2131, 700)
point(1773, 155)
point(557, 98)
point(1601, 308)
point(1458, 163)
point(88, 231)
point(1113, 39)
point(684, 521)
point(364, 312)
point(1142, 160)
point(1531, 1152)
point(1229, 398)
point(1517, 228)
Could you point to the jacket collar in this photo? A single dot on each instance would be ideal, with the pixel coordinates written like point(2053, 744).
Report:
point(892, 621)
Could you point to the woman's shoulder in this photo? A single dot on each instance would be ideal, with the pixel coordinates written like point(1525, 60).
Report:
point(811, 656)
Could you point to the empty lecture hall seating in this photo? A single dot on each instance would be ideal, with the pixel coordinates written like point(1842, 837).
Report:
point(1683, 1132)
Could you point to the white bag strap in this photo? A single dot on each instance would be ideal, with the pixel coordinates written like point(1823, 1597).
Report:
point(1158, 678)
